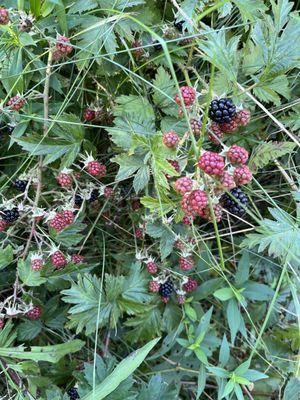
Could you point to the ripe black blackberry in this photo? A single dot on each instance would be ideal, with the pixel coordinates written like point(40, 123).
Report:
point(233, 206)
point(179, 25)
point(166, 288)
point(222, 110)
point(94, 195)
point(73, 394)
point(21, 185)
point(157, 46)
point(10, 215)
point(78, 200)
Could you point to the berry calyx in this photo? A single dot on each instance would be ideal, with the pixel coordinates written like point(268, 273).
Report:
point(211, 163)
point(237, 155)
point(242, 117)
point(237, 204)
point(77, 259)
point(188, 94)
point(186, 263)
point(222, 110)
point(89, 114)
point(190, 285)
point(4, 16)
point(242, 175)
point(58, 259)
point(183, 185)
point(20, 185)
point(34, 313)
point(170, 139)
point(16, 103)
point(64, 179)
point(154, 286)
point(10, 215)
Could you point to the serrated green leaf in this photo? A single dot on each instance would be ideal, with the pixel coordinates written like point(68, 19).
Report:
point(265, 153)
point(6, 256)
point(28, 276)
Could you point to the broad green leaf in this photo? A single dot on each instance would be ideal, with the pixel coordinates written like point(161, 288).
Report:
point(28, 276)
point(292, 389)
point(233, 317)
point(123, 370)
point(6, 256)
point(265, 153)
point(224, 294)
point(224, 351)
point(201, 381)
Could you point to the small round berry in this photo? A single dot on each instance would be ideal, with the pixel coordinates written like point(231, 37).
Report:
point(36, 263)
point(242, 175)
point(34, 313)
point(187, 220)
point(95, 168)
point(191, 285)
point(237, 155)
point(175, 165)
point(216, 134)
point(20, 185)
point(26, 23)
point(135, 204)
point(179, 25)
point(63, 45)
point(94, 195)
point(57, 55)
point(152, 267)
point(4, 16)
point(108, 192)
point(64, 180)
point(165, 299)
point(211, 163)
point(166, 288)
point(188, 94)
point(73, 393)
point(78, 200)
point(181, 299)
point(179, 245)
point(3, 225)
point(138, 51)
point(186, 206)
point(16, 103)
point(226, 181)
point(170, 139)
point(235, 207)
point(154, 286)
point(242, 117)
point(139, 233)
point(2, 323)
point(58, 222)
point(196, 126)
point(58, 259)
point(89, 114)
point(206, 213)
point(222, 110)
point(186, 263)
point(77, 259)
point(68, 216)
point(198, 200)
point(10, 215)
point(229, 127)
point(183, 185)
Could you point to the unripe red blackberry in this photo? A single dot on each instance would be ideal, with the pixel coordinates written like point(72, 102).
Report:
point(34, 313)
point(135, 204)
point(94, 168)
point(64, 180)
point(191, 285)
point(139, 233)
point(226, 181)
point(181, 298)
point(196, 126)
point(183, 185)
point(138, 51)
point(58, 259)
point(63, 45)
point(108, 192)
point(77, 259)
point(186, 206)
point(242, 175)
point(68, 215)
point(165, 299)
point(188, 94)
point(16, 103)
point(170, 139)
point(58, 222)
point(152, 267)
point(242, 117)
point(216, 135)
point(36, 263)
point(237, 155)
point(154, 286)
point(2, 323)
point(206, 213)
point(186, 263)
point(3, 225)
point(89, 114)
point(4, 16)
point(175, 165)
point(187, 220)
point(179, 245)
point(198, 200)
point(229, 127)
point(211, 163)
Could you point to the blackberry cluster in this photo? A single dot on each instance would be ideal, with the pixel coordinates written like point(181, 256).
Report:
point(10, 215)
point(78, 200)
point(94, 195)
point(20, 185)
point(166, 288)
point(222, 110)
point(179, 25)
point(233, 206)
point(73, 394)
